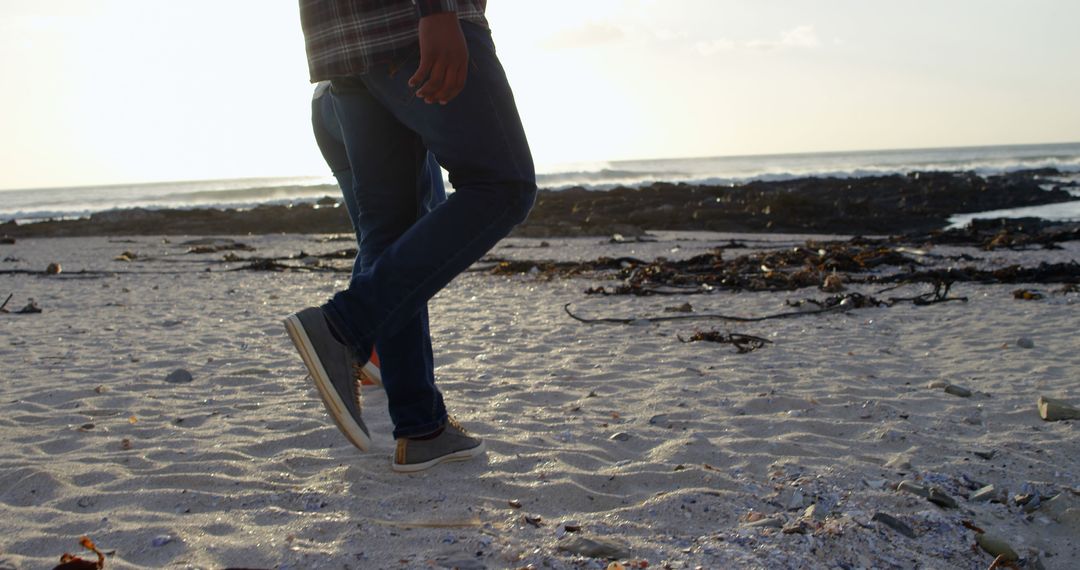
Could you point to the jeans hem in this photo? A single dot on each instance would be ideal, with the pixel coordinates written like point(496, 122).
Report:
point(422, 429)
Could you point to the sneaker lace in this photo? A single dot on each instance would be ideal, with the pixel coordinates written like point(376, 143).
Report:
point(453, 422)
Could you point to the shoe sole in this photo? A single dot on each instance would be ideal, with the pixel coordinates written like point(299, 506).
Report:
point(329, 396)
point(463, 455)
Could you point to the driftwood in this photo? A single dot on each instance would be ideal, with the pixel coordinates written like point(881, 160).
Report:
point(743, 342)
point(833, 304)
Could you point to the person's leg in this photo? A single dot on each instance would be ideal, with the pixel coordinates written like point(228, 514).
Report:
point(387, 193)
point(406, 368)
point(479, 139)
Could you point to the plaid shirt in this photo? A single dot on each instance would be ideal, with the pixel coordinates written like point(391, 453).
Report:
point(348, 37)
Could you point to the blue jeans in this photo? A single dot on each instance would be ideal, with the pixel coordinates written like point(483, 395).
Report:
point(388, 131)
point(430, 191)
point(410, 358)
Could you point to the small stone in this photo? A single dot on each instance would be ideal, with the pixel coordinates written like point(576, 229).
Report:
point(53, 269)
point(593, 547)
point(899, 462)
point(1053, 410)
point(462, 564)
point(834, 283)
point(941, 499)
point(996, 546)
point(767, 522)
point(958, 391)
point(814, 512)
point(161, 540)
point(987, 455)
point(894, 523)
point(1025, 342)
point(937, 385)
point(795, 500)
point(986, 493)
point(660, 419)
point(683, 308)
point(515, 504)
point(875, 483)
point(914, 489)
point(1065, 509)
point(797, 527)
point(621, 436)
point(571, 526)
point(179, 376)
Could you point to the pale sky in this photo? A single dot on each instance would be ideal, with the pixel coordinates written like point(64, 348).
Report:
point(121, 91)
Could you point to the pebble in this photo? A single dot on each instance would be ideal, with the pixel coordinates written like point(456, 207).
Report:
point(996, 546)
point(593, 547)
point(1053, 410)
point(620, 436)
point(914, 489)
point(660, 419)
point(767, 522)
point(814, 512)
point(941, 499)
point(1065, 509)
point(937, 385)
point(462, 564)
point(958, 391)
point(161, 540)
point(795, 500)
point(875, 483)
point(894, 523)
point(987, 455)
point(1025, 342)
point(987, 493)
point(899, 462)
point(53, 269)
point(179, 376)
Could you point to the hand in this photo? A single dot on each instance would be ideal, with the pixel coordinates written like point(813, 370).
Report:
point(444, 59)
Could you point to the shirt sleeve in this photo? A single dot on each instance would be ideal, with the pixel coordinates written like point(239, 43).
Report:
point(429, 7)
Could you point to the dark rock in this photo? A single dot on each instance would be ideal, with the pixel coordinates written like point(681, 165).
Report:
point(593, 547)
point(996, 546)
point(894, 523)
point(958, 391)
point(1053, 410)
point(179, 376)
point(941, 499)
point(921, 202)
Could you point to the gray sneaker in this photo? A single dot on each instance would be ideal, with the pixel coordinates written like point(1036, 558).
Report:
point(331, 365)
point(453, 444)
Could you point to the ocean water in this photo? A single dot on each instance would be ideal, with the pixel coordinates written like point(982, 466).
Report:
point(37, 204)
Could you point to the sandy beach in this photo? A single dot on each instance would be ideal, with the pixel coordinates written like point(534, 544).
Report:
point(668, 454)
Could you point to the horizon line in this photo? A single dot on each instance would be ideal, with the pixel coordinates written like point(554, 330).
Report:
point(610, 162)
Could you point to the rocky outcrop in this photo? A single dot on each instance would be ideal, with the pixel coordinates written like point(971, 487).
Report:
point(917, 202)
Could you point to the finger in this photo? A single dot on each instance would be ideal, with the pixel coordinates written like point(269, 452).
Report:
point(451, 87)
point(434, 83)
point(421, 72)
